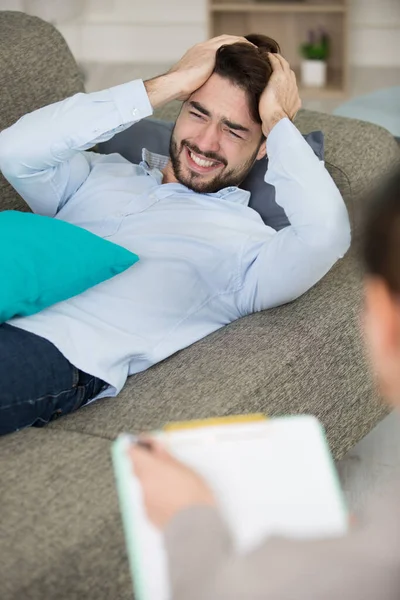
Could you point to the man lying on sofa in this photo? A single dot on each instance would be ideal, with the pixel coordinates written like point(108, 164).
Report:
point(206, 258)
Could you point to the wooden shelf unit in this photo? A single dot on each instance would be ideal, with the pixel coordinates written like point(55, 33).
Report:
point(289, 23)
point(269, 7)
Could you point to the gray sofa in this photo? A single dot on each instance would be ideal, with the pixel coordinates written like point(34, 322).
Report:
point(60, 529)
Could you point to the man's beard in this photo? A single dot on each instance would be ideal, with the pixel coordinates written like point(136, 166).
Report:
point(224, 178)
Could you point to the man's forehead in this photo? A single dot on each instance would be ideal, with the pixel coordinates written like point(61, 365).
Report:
point(223, 100)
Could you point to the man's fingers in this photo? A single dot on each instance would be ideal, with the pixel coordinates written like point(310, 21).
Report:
point(286, 65)
point(223, 36)
point(223, 40)
point(275, 62)
point(279, 60)
point(226, 36)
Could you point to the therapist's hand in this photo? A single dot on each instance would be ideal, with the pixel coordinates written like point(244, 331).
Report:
point(168, 485)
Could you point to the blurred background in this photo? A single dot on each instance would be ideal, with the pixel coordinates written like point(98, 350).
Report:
point(340, 48)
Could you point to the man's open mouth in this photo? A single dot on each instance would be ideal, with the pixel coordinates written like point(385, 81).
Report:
point(199, 163)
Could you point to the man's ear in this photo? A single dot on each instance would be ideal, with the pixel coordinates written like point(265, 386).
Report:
point(262, 152)
point(382, 329)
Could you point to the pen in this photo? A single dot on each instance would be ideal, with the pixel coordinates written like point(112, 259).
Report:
point(135, 439)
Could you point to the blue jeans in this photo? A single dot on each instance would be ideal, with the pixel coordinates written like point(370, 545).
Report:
point(37, 383)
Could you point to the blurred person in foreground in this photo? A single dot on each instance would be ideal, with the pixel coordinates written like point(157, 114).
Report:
point(363, 565)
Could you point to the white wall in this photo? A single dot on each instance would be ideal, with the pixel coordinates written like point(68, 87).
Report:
point(375, 32)
point(159, 31)
point(144, 31)
point(50, 10)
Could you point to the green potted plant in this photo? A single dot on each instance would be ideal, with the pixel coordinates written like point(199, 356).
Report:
point(315, 53)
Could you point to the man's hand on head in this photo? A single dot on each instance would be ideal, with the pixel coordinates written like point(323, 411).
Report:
point(190, 73)
point(280, 98)
point(197, 65)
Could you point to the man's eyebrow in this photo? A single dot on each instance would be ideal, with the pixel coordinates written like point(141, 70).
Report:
point(200, 108)
point(235, 126)
point(207, 113)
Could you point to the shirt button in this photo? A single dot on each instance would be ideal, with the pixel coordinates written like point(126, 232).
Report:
point(134, 111)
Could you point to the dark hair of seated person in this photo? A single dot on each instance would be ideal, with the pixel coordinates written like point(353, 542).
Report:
point(382, 233)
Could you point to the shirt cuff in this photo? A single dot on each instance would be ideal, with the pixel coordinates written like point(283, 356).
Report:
point(132, 101)
point(282, 134)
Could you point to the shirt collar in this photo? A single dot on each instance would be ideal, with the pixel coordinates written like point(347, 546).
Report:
point(157, 162)
point(153, 160)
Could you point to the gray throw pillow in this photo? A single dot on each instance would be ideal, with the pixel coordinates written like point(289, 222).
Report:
point(155, 135)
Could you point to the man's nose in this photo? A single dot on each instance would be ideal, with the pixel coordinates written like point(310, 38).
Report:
point(208, 139)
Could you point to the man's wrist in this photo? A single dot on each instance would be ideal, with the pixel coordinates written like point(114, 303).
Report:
point(269, 122)
point(163, 89)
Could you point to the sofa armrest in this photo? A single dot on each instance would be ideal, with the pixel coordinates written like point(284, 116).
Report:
point(36, 69)
point(357, 154)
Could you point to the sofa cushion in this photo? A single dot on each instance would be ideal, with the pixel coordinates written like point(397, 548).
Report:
point(155, 135)
point(45, 260)
point(60, 527)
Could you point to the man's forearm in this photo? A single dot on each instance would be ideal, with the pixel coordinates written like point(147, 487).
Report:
point(269, 122)
point(50, 135)
point(163, 89)
point(42, 156)
point(305, 189)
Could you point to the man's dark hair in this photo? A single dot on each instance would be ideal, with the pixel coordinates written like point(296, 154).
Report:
point(248, 67)
point(382, 233)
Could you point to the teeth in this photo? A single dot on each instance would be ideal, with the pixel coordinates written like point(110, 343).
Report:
point(201, 162)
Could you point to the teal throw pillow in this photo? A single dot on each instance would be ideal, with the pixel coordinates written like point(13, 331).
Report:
point(45, 260)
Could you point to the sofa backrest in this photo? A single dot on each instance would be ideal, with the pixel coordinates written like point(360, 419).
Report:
point(36, 68)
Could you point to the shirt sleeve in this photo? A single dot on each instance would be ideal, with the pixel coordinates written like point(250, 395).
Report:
point(43, 154)
point(203, 564)
point(287, 263)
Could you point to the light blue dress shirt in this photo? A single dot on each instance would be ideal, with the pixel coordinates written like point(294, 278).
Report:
point(205, 259)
